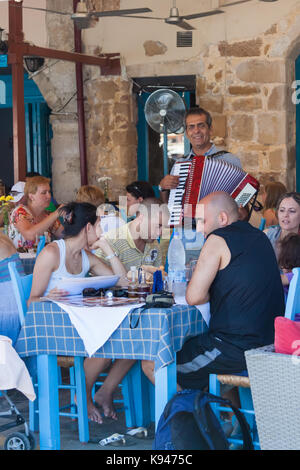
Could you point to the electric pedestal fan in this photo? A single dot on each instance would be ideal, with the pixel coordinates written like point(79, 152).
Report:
point(164, 112)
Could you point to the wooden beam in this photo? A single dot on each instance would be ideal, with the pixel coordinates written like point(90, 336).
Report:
point(19, 140)
point(109, 63)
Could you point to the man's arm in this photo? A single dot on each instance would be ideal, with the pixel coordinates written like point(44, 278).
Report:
point(215, 255)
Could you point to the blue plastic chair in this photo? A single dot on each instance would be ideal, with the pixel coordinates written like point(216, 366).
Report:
point(293, 298)
point(262, 224)
point(22, 287)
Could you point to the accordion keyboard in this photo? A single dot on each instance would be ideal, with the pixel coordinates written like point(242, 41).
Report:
point(181, 169)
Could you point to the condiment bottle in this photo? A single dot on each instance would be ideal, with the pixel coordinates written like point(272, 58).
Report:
point(132, 286)
point(143, 289)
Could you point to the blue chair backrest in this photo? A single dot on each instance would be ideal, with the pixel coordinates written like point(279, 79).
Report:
point(167, 263)
point(21, 286)
point(41, 244)
point(262, 224)
point(293, 299)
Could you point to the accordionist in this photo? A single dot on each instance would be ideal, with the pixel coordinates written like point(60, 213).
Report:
point(198, 128)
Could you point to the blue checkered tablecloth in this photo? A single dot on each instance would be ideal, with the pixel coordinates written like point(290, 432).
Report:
point(160, 333)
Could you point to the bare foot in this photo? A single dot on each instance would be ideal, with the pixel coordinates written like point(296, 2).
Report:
point(105, 400)
point(93, 413)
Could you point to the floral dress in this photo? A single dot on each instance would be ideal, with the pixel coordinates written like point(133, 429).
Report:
point(23, 212)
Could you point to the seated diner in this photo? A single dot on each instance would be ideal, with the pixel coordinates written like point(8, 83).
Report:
point(70, 256)
point(28, 221)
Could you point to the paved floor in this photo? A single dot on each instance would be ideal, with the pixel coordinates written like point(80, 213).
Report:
point(69, 434)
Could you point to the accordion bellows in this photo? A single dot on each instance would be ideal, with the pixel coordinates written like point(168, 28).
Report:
point(202, 176)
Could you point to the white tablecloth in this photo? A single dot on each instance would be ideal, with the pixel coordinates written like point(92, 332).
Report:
point(96, 324)
point(13, 372)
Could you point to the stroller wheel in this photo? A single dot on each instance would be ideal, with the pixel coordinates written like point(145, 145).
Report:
point(17, 441)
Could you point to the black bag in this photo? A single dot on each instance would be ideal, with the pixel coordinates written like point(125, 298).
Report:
point(189, 423)
point(162, 299)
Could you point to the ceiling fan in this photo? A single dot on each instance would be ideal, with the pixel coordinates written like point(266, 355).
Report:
point(175, 19)
point(82, 17)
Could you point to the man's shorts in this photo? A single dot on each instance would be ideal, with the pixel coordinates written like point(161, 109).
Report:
point(206, 354)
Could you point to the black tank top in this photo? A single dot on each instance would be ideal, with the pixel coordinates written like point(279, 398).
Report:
point(247, 295)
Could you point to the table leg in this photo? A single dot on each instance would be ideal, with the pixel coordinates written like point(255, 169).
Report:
point(165, 388)
point(48, 402)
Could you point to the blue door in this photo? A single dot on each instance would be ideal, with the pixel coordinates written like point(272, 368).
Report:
point(38, 129)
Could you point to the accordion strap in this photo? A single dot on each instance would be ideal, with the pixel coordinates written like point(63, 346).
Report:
point(218, 154)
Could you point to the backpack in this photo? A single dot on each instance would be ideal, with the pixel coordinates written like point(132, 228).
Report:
point(189, 423)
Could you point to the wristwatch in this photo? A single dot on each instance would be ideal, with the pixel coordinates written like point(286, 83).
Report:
point(109, 257)
point(160, 188)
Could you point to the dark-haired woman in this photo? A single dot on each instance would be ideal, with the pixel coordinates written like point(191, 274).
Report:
point(70, 257)
point(288, 213)
point(136, 192)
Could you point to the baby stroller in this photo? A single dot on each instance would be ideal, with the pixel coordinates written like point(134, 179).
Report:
point(14, 375)
point(16, 440)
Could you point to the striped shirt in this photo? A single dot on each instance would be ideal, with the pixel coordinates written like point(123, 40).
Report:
point(123, 244)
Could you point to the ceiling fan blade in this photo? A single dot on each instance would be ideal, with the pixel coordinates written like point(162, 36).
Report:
point(236, 3)
point(202, 14)
point(98, 14)
point(44, 9)
point(142, 17)
point(184, 25)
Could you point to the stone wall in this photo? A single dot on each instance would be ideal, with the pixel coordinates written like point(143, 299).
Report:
point(111, 133)
point(111, 138)
point(247, 86)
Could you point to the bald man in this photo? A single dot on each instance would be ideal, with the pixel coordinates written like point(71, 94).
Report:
point(238, 274)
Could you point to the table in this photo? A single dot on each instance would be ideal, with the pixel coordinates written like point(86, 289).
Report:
point(48, 332)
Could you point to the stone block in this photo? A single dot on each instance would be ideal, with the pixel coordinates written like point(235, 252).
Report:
point(219, 126)
point(249, 48)
point(278, 159)
point(241, 127)
point(154, 48)
point(106, 90)
point(247, 104)
point(213, 104)
point(243, 90)
point(261, 71)
point(271, 128)
point(278, 98)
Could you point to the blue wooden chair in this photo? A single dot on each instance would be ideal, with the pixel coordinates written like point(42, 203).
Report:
point(132, 399)
point(41, 244)
point(22, 287)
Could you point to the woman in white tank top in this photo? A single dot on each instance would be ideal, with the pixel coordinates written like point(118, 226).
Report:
point(70, 257)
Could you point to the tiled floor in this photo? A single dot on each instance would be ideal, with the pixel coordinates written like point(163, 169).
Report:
point(69, 434)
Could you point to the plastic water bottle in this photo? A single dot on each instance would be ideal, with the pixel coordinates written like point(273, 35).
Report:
point(176, 262)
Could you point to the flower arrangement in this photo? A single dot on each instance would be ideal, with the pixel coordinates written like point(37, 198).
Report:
point(4, 209)
point(104, 180)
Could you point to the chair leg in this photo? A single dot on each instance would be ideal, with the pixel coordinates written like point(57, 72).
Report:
point(33, 409)
point(83, 425)
point(48, 402)
point(247, 404)
point(72, 392)
point(215, 389)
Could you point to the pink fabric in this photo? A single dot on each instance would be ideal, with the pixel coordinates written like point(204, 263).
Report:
point(287, 336)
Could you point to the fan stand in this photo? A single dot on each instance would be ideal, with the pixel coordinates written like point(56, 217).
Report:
point(166, 166)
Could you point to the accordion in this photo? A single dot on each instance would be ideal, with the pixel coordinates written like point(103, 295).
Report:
point(203, 175)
